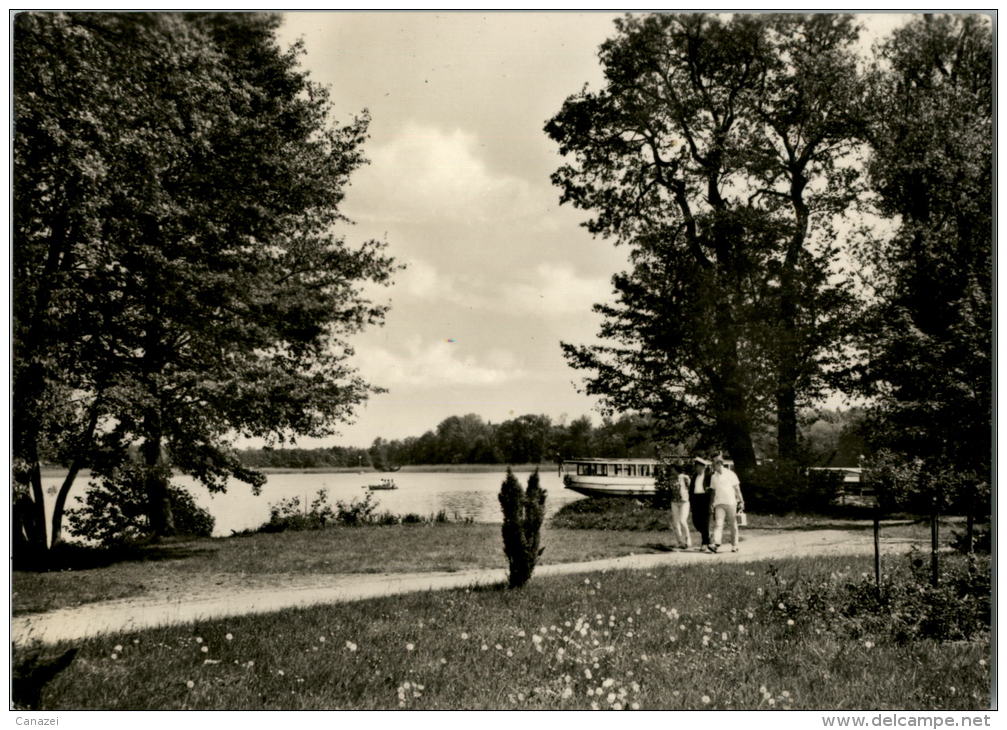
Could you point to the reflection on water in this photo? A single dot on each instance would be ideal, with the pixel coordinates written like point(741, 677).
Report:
point(467, 495)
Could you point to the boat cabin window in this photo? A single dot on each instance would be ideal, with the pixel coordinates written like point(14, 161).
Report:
point(645, 470)
point(592, 470)
point(631, 470)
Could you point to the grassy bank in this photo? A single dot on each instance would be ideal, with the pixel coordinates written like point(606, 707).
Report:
point(699, 637)
point(200, 564)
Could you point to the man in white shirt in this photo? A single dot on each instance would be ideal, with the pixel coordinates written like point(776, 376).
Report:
point(727, 502)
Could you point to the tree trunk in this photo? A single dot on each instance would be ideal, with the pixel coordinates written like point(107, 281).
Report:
point(789, 364)
point(60, 504)
point(29, 540)
point(28, 387)
point(733, 424)
point(786, 422)
point(71, 475)
point(159, 515)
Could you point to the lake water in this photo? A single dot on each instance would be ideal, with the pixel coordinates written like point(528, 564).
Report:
point(423, 493)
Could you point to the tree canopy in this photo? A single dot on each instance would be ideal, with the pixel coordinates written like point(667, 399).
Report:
point(928, 332)
point(178, 272)
point(719, 151)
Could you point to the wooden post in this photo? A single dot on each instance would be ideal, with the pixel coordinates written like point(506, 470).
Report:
point(970, 520)
point(877, 548)
point(933, 548)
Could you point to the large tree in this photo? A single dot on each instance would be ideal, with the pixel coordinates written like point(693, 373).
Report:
point(177, 188)
point(928, 334)
point(719, 151)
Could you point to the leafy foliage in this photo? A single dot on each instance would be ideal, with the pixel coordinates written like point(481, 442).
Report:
point(177, 266)
point(610, 513)
point(718, 151)
point(928, 335)
point(779, 487)
point(113, 511)
point(290, 514)
point(918, 485)
point(523, 512)
point(907, 608)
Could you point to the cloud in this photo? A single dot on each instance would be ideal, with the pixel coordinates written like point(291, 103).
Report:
point(438, 363)
point(550, 289)
point(427, 174)
point(558, 289)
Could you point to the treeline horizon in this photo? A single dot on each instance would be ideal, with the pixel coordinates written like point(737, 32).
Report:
point(830, 437)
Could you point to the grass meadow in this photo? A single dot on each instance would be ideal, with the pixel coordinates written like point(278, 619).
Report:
point(202, 564)
point(793, 634)
point(197, 563)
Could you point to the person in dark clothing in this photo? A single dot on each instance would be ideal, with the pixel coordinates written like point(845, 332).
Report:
point(699, 500)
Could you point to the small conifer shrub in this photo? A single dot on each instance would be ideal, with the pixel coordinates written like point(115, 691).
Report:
point(523, 511)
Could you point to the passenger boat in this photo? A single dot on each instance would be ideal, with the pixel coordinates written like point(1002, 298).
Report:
point(617, 477)
point(383, 484)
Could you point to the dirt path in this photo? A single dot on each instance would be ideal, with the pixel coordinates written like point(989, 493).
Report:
point(273, 593)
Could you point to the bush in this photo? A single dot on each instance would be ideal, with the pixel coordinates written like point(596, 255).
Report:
point(981, 541)
point(113, 511)
point(357, 511)
point(906, 608)
point(779, 487)
point(822, 490)
point(523, 511)
point(287, 514)
point(895, 480)
point(774, 487)
point(610, 513)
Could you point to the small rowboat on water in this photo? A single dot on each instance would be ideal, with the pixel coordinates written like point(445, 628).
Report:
point(383, 484)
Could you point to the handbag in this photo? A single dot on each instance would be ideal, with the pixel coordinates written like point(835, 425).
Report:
point(742, 518)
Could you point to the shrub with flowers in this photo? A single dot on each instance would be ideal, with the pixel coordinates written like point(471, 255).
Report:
point(906, 608)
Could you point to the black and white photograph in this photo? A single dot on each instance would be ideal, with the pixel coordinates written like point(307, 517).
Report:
point(522, 361)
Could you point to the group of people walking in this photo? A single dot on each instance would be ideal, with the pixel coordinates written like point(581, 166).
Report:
point(712, 494)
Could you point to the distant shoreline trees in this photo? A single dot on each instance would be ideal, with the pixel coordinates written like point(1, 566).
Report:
point(830, 438)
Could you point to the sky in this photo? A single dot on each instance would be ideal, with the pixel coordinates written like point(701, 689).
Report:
point(497, 272)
